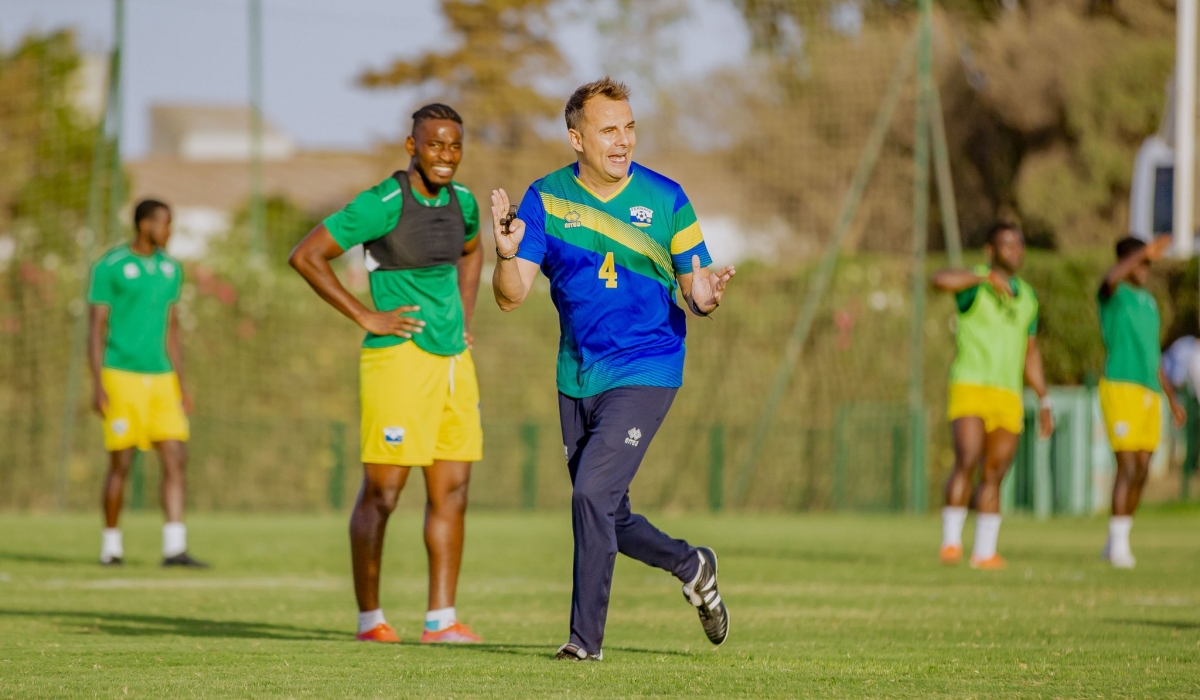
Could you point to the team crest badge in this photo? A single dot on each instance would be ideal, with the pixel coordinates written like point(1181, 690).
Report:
point(572, 220)
point(393, 436)
point(131, 271)
point(641, 216)
point(167, 267)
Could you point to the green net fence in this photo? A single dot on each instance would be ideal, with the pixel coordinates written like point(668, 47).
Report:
point(798, 393)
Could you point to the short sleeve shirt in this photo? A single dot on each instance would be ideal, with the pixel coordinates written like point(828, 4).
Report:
point(373, 214)
point(612, 264)
point(139, 291)
point(1130, 324)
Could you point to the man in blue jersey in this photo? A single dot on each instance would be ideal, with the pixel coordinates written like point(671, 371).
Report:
point(615, 239)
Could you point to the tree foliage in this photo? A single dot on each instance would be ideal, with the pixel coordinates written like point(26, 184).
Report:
point(500, 47)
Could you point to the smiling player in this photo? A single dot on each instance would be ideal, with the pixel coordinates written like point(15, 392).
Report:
point(420, 398)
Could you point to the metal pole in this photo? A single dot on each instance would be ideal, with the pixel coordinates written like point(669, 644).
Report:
point(257, 205)
point(116, 193)
point(1185, 125)
point(89, 237)
point(945, 183)
point(821, 279)
point(916, 402)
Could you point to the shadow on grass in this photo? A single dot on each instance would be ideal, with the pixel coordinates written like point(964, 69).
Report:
point(1171, 624)
point(544, 651)
point(140, 625)
point(32, 558)
point(801, 555)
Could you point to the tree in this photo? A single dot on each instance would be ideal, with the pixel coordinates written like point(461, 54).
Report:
point(503, 48)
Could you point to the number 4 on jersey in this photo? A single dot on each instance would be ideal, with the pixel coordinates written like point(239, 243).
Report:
point(608, 271)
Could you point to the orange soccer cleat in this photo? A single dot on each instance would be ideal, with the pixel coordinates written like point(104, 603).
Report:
point(950, 554)
point(992, 563)
point(458, 633)
point(382, 632)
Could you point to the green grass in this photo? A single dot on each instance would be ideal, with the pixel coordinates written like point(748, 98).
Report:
point(821, 606)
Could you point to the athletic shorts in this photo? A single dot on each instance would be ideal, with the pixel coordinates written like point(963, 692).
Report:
point(418, 407)
point(1132, 414)
point(1000, 409)
point(142, 409)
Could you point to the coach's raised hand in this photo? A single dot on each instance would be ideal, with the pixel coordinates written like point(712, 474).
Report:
point(507, 242)
point(708, 287)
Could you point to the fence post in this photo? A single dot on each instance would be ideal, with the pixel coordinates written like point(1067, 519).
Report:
point(716, 467)
point(529, 442)
point(137, 481)
point(337, 473)
point(899, 449)
point(840, 458)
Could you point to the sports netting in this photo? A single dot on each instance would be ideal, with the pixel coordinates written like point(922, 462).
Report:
point(768, 152)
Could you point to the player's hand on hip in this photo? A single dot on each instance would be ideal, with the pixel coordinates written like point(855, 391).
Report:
point(506, 244)
point(469, 339)
point(393, 322)
point(708, 287)
point(1045, 423)
point(186, 399)
point(100, 401)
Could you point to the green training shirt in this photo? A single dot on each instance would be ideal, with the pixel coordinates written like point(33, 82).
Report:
point(1130, 324)
point(373, 214)
point(993, 333)
point(139, 291)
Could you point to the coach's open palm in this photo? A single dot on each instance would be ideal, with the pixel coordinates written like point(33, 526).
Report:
point(708, 287)
point(506, 244)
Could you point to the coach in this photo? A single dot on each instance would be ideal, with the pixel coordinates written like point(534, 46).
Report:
point(615, 239)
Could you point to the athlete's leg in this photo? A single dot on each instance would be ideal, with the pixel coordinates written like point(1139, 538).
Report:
point(377, 498)
point(114, 485)
point(1127, 485)
point(999, 450)
point(173, 455)
point(445, 510)
point(969, 440)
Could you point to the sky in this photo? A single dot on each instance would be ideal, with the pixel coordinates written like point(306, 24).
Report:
point(195, 51)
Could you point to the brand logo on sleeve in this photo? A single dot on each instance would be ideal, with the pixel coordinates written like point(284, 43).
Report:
point(393, 435)
point(641, 216)
point(572, 220)
point(635, 436)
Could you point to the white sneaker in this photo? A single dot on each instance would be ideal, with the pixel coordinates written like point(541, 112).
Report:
point(1122, 560)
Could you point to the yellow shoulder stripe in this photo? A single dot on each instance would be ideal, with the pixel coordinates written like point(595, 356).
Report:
point(610, 227)
point(687, 239)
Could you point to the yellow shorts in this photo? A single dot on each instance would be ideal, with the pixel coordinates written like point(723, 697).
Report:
point(418, 407)
point(1000, 409)
point(142, 409)
point(1132, 414)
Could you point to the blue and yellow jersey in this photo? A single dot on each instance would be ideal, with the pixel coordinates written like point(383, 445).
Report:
point(612, 264)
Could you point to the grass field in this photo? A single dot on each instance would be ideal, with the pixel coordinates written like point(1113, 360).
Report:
point(821, 606)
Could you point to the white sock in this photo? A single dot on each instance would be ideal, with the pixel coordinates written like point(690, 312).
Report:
point(987, 531)
point(111, 545)
point(1118, 534)
point(438, 620)
point(174, 539)
point(370, 619)
point(953, 519)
